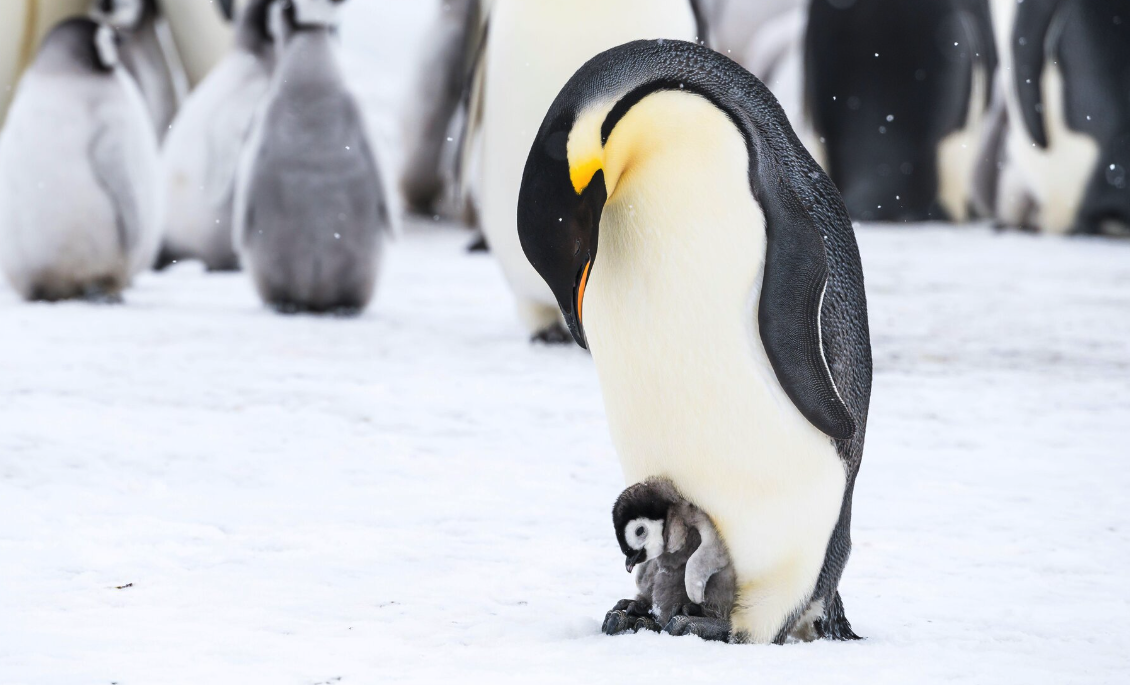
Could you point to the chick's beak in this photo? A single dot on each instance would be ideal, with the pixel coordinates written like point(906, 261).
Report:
point(630, 562)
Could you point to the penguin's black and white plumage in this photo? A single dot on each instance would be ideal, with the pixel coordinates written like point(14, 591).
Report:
point(710, 266)
point(684, 575)
point(430, 124)
point(79, 197)
point(897, 93)
point(531, 50)
point(1067, 156)
point(148, 53)
point(201, 153)
point(311, 217)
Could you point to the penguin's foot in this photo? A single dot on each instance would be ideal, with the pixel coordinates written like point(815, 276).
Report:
point(628, 616)
point(711, 629)
point(552, 335)
point(479, 245)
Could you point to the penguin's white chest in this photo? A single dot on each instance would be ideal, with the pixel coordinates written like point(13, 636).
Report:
point(670, 312)
point(534, 48)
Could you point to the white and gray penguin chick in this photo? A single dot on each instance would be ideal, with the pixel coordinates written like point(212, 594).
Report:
point(80, 208)
point(148, 52)
point(310, 214)
point(685, 578)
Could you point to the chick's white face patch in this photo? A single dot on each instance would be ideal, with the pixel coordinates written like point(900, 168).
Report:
point(106, 42)
point(645, 534)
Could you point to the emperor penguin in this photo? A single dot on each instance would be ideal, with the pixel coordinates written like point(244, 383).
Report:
point(710, 266)
point(1067, 148)
point(202, 151)
point(147, 51)
point(311, 217)
point(79, 196)
point(430, 126)
point(531, 50)
point(898, 93)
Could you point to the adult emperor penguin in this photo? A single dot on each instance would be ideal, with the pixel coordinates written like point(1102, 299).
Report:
point(1069, 139)
point(427, 174)
point(897, 91)
point(310, 215)
point(201, 153)
point(79, 199)
point(710, 266)
point(147, 51)
point(532, 48)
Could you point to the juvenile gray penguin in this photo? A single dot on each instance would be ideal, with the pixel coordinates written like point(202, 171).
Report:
point(310, 215)
point(80, 208)
point(685, 578)
point(148, 53)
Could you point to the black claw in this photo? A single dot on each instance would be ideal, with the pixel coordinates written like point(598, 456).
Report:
point(711, 629)
point(616, 623)
point(646, 623)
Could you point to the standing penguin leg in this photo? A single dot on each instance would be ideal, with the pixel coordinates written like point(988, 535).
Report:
point(545, 322)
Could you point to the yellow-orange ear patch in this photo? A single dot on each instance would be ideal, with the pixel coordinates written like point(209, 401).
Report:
point(581, 173)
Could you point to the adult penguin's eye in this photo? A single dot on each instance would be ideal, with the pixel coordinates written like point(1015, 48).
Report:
point(640, 532)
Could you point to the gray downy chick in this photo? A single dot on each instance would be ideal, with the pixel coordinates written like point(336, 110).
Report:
point(310, 215)
point(684, 575)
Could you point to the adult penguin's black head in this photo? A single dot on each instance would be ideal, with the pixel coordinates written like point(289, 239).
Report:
point(559, 210)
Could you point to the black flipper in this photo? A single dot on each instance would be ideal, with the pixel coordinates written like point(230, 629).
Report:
point(1029, 45)
point(796, 274)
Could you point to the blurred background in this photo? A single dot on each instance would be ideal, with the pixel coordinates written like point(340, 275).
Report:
point(193, 487)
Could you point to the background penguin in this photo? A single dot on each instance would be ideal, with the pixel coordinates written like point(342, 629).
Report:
point(310, 215)
point(428, 173)
point(684, 570)
point(531, 50)
point(79, 197)
point(1068, 147)
point(897, 92)
point(201, 153)
point(146, 50)
point(724, 309)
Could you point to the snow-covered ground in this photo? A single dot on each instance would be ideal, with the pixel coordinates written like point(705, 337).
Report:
point(195, 490)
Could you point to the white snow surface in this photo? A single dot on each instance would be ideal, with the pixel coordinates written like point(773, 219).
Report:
point(419, 495)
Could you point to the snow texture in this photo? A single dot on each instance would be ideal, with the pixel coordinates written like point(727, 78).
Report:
point(196, 490)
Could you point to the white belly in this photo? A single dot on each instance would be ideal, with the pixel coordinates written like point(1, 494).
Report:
point(534, 49)
point(55, 217)
point(201, 155)
point(670, 314)
point(1051, 177)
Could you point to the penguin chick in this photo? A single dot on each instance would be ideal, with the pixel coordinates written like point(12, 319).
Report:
point(310, 215)
point(79, 204)
point(685, 579)
point(147, 52)
point(202, 151)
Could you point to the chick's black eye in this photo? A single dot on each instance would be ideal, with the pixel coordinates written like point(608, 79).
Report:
point(640, 531)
